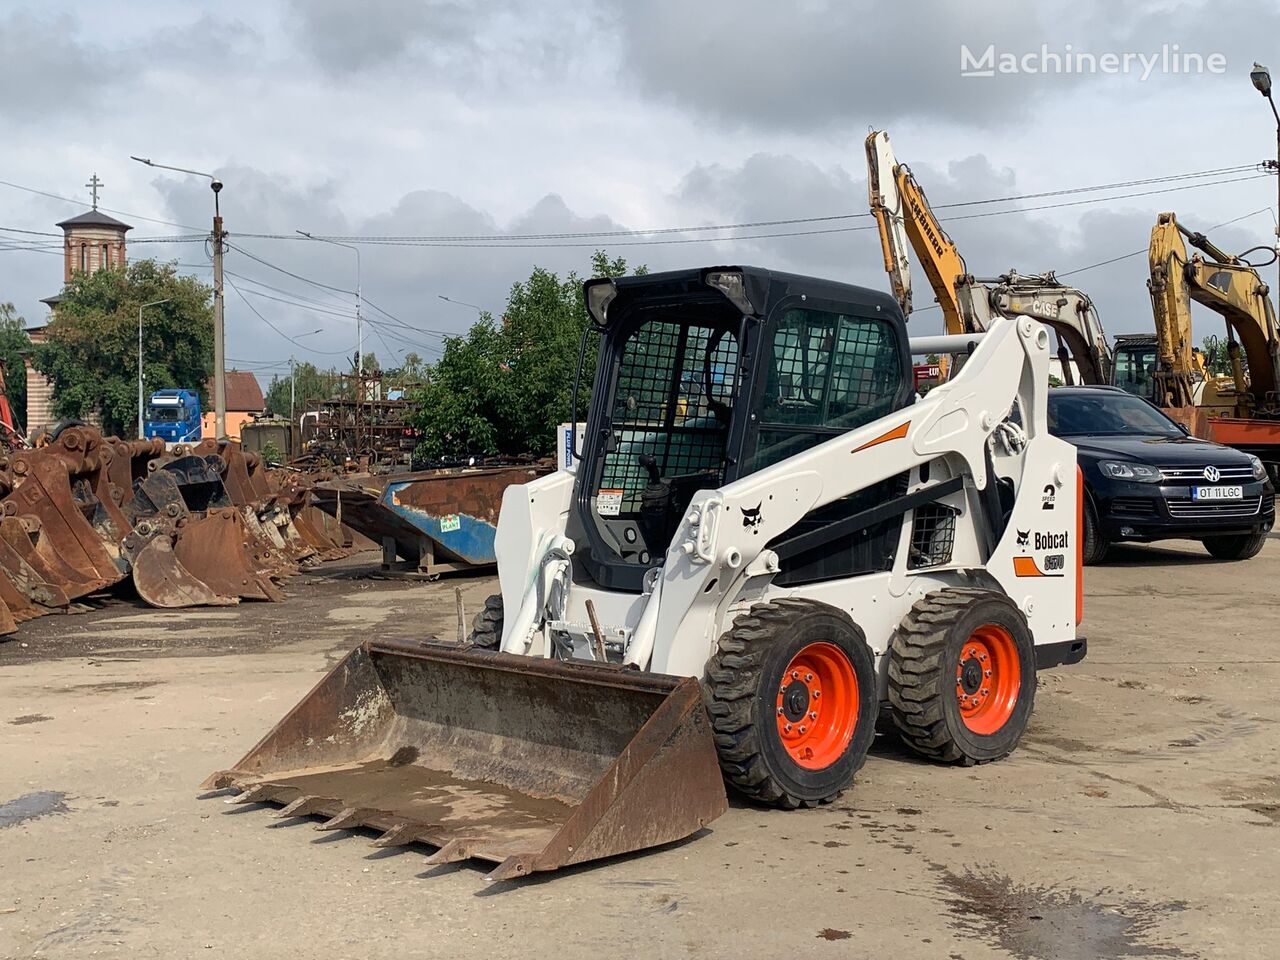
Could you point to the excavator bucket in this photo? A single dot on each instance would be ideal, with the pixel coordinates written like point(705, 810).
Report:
point(526, 763)
point(217, 548)
point(160, 579)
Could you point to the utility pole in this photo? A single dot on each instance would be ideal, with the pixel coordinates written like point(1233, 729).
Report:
point(219, 339)
point(141, 307)
point(1261, 78)
point(292, 385)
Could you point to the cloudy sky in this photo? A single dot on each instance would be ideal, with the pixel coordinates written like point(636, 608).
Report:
point(408, 118)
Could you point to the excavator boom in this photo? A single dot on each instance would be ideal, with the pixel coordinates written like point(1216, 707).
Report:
point(903, 213)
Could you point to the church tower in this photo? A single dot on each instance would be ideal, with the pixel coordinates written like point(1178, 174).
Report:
point(93, 241)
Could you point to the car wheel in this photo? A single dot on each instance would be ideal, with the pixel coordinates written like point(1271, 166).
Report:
point(1239, 547)
point(1095, 545)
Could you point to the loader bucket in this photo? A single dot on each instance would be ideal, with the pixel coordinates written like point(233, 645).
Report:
point(527, 763)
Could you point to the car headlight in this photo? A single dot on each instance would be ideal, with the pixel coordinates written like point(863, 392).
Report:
point(1140, 472)
point(1259, 470)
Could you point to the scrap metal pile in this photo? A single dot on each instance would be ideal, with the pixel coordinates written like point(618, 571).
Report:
point(189, 526)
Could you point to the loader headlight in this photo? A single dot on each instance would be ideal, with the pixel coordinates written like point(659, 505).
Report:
point(599, 294)
point(734, 286)
point(1259, 469)
point(1140, 472)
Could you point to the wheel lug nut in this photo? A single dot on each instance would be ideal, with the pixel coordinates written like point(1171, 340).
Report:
point(817, 694)
point(813, 715)
point(802, 728)
point(985, 691)
point(808, 677)
point(787, 728)
point(779, 711)
point(794, 675)
point(986, 673)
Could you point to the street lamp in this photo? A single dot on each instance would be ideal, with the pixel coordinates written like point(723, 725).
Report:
point(461, 303)
point(293, 378)
point(1261, 78)
point(142, 307)
point(359, 326)
point(219, 342)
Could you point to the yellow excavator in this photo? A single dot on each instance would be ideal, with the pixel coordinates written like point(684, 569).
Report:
point(969, 305)
point(1243, 409)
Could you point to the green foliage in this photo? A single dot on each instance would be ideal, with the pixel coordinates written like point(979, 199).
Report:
point(1217, 361)
point(91, 354)
point(270, 453)
point(310, 386)
point(503, 387)
point(14, 346)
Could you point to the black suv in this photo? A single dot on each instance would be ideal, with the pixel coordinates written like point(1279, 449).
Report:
point(1146, 480)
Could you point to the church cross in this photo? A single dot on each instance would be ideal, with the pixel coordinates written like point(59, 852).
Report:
point(93, 184)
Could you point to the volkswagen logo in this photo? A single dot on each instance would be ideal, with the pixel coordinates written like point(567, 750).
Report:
point(1211, 474)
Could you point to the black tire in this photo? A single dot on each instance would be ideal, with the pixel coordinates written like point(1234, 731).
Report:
point(1095, 545)
point(486, 628)
point(925, 665)
point(742, 688)
point(1240, 547)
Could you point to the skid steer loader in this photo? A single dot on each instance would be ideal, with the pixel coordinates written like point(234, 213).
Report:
point(767, 541)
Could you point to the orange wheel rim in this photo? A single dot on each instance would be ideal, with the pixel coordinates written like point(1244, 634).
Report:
point(817, 705)
point(988, 679)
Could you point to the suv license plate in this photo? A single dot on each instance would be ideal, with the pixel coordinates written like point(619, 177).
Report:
point(1217, 493)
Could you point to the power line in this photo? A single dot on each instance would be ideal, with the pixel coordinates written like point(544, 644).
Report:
point(123, 213)
point(303, 346)
point(754, 224)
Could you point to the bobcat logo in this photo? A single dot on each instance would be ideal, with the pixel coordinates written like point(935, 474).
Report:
point(1023, 537)
point(751, 518)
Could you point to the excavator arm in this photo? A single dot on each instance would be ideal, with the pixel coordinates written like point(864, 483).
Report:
point(1171, 309)
point(903, 216)
point(1068, 311)
point(1230, 287)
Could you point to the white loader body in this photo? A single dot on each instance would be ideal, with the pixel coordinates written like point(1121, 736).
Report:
point(991, 415)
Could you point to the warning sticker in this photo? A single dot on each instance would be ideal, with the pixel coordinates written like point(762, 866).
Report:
point(609, 503)
point(450, 523)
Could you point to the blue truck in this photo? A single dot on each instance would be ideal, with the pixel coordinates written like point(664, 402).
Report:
point(173, 415)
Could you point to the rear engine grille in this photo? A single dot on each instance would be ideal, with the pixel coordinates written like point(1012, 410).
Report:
point(1133, 507)
point(1232, 474)
point(1214, 509)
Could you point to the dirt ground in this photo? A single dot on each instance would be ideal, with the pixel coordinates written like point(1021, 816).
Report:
point(1138, 819)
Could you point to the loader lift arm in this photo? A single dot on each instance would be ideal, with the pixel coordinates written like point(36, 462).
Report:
point(903, 216)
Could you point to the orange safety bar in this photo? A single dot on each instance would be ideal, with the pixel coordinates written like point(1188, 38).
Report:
point(1079, 545)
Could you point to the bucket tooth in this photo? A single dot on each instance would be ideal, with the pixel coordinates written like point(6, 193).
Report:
point(402, 834)
point(454, 851)
point(259, 793)
point(347, 818)
point(519, 865)
point(304, 807)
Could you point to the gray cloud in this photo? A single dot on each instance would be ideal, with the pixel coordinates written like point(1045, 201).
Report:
point(344, 37)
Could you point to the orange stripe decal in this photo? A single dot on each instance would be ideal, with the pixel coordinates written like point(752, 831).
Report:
point(897, 433)
point(1027, 567)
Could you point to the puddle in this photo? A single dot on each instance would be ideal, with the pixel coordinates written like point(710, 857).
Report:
point(32, 806)
point(29, 718)
point(1043, 923)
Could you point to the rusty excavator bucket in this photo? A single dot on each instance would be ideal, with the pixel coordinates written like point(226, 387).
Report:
point(526, 763)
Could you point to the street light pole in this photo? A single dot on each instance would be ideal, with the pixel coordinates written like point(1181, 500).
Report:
point(219, 340)
point(1261, 78)
point(359, 302)
point(461, 303)
point(142, 307)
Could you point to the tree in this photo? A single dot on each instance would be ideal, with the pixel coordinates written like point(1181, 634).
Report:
point(14, 347)
point(1216, 359)
point(310, 385)
point(502, 387)
point(91, 351)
